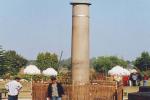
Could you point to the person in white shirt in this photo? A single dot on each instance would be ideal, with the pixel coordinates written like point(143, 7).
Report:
point(13, 88)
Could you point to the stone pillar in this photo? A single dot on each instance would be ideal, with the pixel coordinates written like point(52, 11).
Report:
point(80, 43)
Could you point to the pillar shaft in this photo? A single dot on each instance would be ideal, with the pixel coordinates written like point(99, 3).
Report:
point(80, 43)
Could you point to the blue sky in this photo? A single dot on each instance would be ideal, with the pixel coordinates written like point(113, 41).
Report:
point(117, 27)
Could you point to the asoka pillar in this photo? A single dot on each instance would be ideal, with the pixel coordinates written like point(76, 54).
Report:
point(80, 42)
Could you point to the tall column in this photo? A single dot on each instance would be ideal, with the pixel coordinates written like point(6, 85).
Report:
point(80, 42)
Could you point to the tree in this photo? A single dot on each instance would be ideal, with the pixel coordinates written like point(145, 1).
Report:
point(46, 60)
point(103, 64)
point(143, 62)
point(14, 62)
point(3, 68)
point(66, 63)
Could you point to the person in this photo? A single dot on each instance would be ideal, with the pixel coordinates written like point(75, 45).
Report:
point(134, 79)
point(13, 87)
point(55, 90)
point(125, 80)
point(130, 80)
point(145, 78)
point(139, 78)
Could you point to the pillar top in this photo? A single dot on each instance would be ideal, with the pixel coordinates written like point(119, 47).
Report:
point(80, 3)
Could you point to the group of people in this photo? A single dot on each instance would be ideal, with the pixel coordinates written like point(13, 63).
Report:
point(55, 89)
point(136, 78)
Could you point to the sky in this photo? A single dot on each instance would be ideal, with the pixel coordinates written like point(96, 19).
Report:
point(117, 27)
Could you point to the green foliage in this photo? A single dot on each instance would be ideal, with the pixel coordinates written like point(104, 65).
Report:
point(14, 62)
point(3, 67)
point(146, 73)
point(31, 62)
point(34, 78)
point(6, 76)
point(10, 62)
point(64, 78)
point(46, 60)
point(26, 77)
point(103, 64)
point(143, 62)
point(37, 78)
point(66, 63)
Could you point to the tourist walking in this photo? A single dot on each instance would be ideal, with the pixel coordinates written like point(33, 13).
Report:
point(55, 90)
point(13, 88)
point(145, 78)
point(130, 80)
point(134, 79)
point(139, 78)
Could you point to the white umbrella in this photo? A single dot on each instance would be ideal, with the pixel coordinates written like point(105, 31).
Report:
point(126, 72)
point(32, 70)
point(118, 71)
point(133, 71)
point(50, 72)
